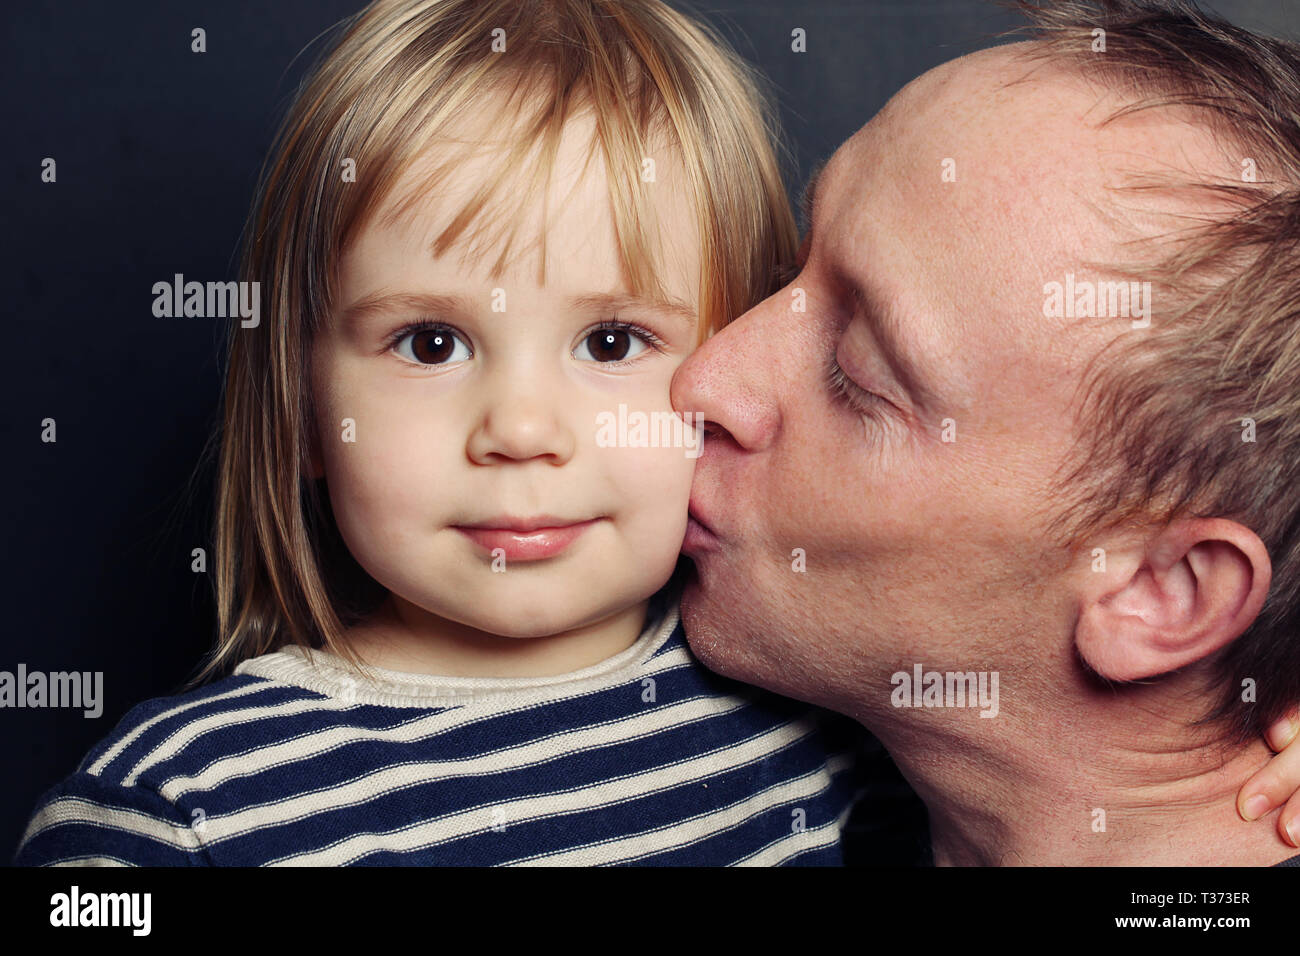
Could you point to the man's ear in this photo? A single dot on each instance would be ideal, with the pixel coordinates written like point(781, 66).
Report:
point(1173, 598)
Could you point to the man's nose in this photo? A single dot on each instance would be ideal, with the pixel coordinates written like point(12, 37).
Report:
point(729, 380)
point(520, 422)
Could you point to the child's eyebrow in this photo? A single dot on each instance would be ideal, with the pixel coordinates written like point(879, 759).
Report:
point(440, 304)
point(616, 302)
point(406, 301)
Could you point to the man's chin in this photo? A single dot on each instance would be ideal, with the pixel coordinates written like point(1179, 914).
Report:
point(738, 637)
point(716, 638)
point(699, 620)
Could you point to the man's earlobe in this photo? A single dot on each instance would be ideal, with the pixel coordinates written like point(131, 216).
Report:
point(1192, 588)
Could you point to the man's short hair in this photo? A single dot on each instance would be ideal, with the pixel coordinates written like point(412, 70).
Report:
point(1199, 414)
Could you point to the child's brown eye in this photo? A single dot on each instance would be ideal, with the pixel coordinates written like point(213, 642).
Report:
point(433, 347)
point(610, 345)
point(436, 346)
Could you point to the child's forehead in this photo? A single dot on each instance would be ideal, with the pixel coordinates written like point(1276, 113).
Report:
point(499, 159)
point(497, 203)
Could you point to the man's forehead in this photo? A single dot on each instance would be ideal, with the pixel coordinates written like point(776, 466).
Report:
point(925, 117)
point(949, 206)
point(995, 150)
point(1014, 169)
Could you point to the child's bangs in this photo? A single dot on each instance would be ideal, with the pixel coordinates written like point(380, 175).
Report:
point(524, 123)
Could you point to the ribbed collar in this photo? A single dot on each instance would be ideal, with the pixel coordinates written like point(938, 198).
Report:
point(327, 673)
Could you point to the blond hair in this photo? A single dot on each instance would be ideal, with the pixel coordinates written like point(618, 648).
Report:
point(398, 73)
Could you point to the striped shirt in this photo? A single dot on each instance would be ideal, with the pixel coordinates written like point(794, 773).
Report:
point(295, 759)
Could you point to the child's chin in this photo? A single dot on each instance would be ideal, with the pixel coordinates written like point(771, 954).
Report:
point(530, 624)
point(524, 631)
point(547, 619)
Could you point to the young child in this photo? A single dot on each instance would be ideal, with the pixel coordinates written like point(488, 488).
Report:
point(489, 232)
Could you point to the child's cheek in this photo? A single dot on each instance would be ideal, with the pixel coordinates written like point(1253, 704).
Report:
point(645, 448)
point(656, 488)
point(387, 444)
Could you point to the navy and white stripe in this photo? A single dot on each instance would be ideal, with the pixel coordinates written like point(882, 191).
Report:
point(292, 761)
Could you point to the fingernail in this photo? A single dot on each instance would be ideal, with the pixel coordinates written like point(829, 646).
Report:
point(1255, 807)
point(1293, 831)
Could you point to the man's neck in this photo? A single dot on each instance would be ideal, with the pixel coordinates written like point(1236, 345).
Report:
point(1076, 795)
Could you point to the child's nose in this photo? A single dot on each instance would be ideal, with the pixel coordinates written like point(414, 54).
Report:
point(519, 429)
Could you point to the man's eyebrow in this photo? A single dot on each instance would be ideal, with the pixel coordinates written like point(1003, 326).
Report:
point(378, 304)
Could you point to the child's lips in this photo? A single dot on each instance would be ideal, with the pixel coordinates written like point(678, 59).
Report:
point(526, 539)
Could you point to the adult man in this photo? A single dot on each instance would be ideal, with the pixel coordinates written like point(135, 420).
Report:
point(1029, 414)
